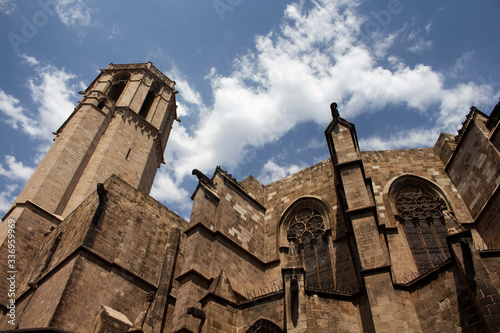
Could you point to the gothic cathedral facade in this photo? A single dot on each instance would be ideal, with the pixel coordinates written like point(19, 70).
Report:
point(366, 241)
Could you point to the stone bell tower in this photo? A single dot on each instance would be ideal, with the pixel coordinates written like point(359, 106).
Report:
point(120, 126)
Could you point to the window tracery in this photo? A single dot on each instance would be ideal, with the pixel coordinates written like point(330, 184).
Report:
point(307, 232)
point(306, 224)
point(421, 213)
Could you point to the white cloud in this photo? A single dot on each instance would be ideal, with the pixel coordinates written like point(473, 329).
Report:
point(41, 150)
point(165, 189)
point(412, 39)
point(8, 6)
point(383, 44)
point(9, 105)
point(74, 13)
point(114, 31)
point(318, 56)
point(53, 91)
point(15, 170)
point(451, 113)
point(402, 139)
point(271, 171)
point(187, 93)
point(182, 110)
point(313, 144)
point(461, 63)
point(7, 197)
point(428, 27)
point(420, 45)
point(29, 60)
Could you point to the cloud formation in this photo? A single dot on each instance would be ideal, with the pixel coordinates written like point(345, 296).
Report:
point(74, 13)
point(8, 6)
point(15, 113)
point(7, 197)
point(272, 171)
point(15, 170)
point(318, 54)
point(323, 51)
point(53, 90)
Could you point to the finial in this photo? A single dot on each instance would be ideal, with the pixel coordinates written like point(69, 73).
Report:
point(335, 112)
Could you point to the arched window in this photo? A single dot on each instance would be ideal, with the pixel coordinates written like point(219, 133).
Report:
point(420, 210)
point(264, 326)
point(306, 232)
point(148, 101)
point(117, 86)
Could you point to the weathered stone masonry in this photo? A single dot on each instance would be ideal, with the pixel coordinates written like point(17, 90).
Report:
point(380, 241)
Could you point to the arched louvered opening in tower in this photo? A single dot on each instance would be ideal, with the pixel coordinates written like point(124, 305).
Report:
point(118, 84)
point(149, 100)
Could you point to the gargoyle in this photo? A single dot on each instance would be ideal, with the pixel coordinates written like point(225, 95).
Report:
point(202, 178)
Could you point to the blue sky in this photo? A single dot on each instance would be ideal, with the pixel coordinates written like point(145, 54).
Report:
point(255, 77)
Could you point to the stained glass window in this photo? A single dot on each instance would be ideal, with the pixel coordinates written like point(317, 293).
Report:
point(421, 212)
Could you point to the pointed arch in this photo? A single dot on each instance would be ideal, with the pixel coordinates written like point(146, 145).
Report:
point(264, 326)
point(118, 84)
point(420, 206)
point(313, 202)
point(305, 228)
point(149, 99)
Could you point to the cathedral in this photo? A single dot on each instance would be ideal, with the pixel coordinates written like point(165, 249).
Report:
point(365, 241)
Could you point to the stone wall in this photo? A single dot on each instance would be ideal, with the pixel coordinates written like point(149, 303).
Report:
point(443, 305)
point(330, 315)
point(316, 181)
point(114, 259)
point(474, 168)
point(383, 167)
point(239, 217)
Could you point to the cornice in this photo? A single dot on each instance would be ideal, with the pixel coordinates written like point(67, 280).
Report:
point(144, 66)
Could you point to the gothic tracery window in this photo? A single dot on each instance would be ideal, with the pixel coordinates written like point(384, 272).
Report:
point(421, 212)
point(306, 231)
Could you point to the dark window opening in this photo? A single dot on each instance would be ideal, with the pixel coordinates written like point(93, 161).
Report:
point(421, 212)
point(117, 89)
point(118, 85)
point(101, 105)
point(264, 326)
point(146, 105)
point(307, 232)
